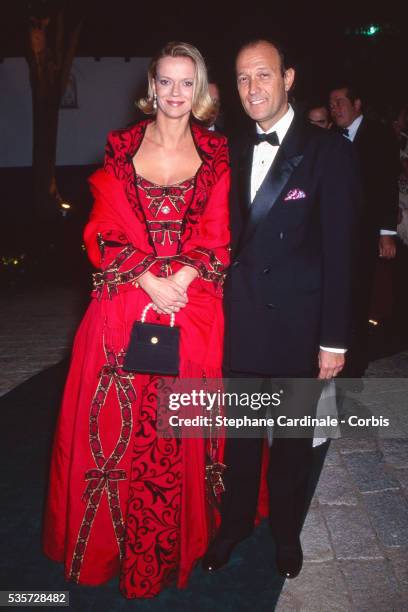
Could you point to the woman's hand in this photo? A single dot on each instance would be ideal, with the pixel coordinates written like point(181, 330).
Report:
point(184, 277)
point(167, 295)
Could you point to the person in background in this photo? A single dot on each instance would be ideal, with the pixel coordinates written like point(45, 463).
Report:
point(402, 228)
point(319, 115)
point(216, 123)
point(378, 157)
point(400, 127)
point(399, 123)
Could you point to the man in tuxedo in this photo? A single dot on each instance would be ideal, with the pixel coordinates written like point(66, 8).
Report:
point(379, 164)
point(294, 198)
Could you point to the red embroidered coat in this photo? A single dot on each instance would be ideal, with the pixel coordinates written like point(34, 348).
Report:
point(121, 499)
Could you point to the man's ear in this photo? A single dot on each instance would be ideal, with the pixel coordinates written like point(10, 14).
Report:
point(289, 78)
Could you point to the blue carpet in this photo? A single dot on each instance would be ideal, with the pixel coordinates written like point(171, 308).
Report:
point(28, 414)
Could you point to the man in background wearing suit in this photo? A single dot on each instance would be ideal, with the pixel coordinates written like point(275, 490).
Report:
point(379, 163)
point(295, 196)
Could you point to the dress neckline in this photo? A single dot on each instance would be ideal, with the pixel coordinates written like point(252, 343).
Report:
point(177, 184)
point(190, 179)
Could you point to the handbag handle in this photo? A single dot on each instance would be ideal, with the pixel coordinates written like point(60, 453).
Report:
point(146, 309)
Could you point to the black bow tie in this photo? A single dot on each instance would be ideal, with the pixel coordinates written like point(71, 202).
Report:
point(272, 138)
point(344, 132)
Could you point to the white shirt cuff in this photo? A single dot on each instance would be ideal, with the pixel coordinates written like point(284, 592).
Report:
point(333, 350)
point(387, 233)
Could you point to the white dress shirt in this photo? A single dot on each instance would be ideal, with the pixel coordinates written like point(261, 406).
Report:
point(264, 154)
point(353, 127)
point(352, 131)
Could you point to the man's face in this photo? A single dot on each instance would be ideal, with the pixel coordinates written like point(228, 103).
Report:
point(320, 116)
point(214, 93)
point(342, 109)
point(215, 97)
point(262, 88)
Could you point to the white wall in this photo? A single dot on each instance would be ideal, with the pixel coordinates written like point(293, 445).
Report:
point(106, 93)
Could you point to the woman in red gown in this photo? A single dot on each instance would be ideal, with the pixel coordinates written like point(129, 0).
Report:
point(123, 500)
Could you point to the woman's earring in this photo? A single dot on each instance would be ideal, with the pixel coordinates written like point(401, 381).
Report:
point(154, 101)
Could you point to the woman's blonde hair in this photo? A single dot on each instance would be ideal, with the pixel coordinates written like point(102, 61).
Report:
point(203, 108)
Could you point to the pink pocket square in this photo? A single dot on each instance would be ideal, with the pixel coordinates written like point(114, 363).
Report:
point(294, 194)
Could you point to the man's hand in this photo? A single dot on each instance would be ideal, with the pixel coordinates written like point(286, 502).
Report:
point(386, 247)
point(330, 363)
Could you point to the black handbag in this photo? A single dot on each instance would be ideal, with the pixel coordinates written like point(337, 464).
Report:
point(153, 348)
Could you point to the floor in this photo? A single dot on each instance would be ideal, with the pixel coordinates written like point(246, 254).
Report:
point(356, 534)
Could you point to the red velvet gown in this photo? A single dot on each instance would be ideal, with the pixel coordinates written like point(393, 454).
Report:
point(121, 499)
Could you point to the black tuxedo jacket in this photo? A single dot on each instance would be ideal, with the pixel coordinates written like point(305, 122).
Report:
point(379, 161)
point(289, 286)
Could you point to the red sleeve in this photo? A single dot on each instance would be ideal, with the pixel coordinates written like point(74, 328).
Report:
point(109, 248)
point(120, 263)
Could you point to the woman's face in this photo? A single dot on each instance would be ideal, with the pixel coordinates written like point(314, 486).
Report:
point(174, 85)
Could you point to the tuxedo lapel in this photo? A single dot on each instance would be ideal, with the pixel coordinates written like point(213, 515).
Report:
point(287, 159)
